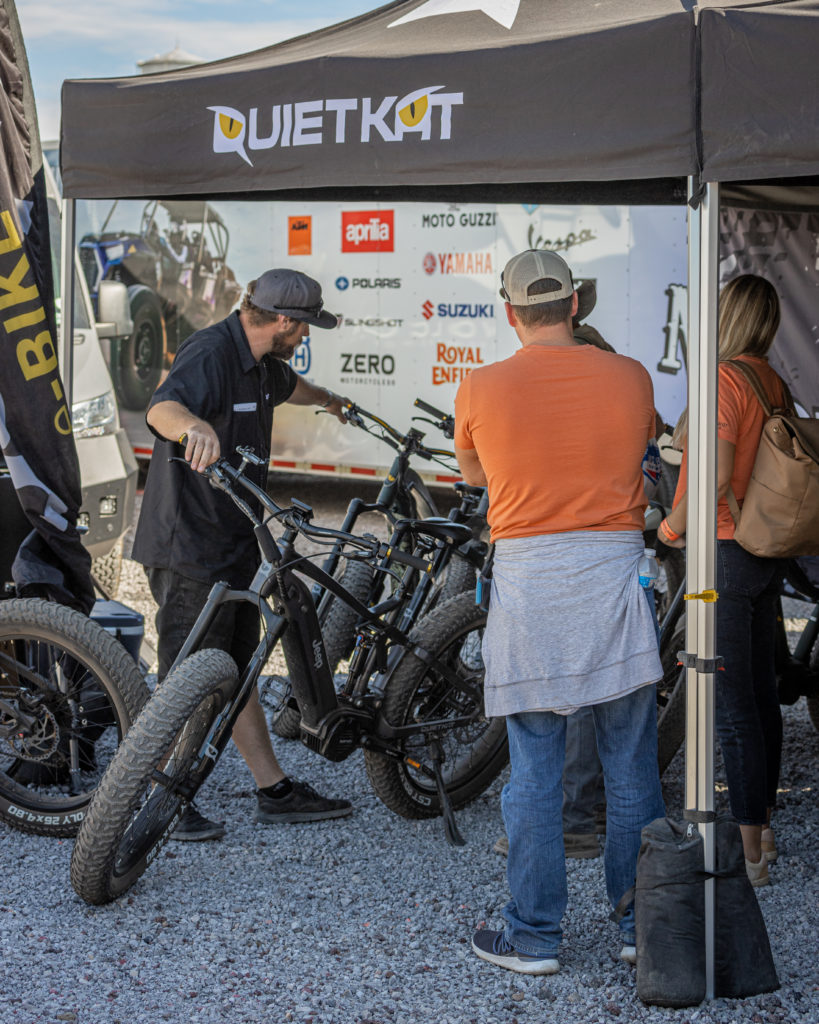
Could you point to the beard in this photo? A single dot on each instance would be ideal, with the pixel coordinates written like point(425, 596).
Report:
point(284, 343)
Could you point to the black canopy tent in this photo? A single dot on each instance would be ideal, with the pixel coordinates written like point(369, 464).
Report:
point(560, 100)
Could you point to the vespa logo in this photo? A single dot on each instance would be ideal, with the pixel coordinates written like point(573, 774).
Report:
point(314, 122)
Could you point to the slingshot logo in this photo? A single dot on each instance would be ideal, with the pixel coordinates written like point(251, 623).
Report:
point(343, 120)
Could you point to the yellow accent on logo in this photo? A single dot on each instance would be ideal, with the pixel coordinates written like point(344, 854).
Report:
point(230, 126)
point(413, 113)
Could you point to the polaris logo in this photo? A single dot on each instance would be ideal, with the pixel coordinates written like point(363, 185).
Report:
point(475, 311)
point(343, 283)
point(367, 231)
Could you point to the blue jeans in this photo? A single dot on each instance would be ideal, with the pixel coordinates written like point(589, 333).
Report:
point(748, 718)
point(626, 730)
point(582, 775)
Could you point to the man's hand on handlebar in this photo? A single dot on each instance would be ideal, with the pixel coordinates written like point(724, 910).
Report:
point(337, 406)
point(201, 446)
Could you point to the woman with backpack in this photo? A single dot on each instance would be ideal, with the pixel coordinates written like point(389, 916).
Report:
point(748, 718)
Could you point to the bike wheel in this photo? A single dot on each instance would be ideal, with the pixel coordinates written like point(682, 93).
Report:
point(813, 702)
point(132, 813)
point(460, 578)
point(474, 753)
point(69, 691)
point(337, 623)
point(671, 697)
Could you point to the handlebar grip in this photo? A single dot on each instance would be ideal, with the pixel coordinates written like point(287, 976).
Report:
point(396, 555)
point(426, 407)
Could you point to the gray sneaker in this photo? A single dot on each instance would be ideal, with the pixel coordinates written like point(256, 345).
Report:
point(302, 803)
point(494, 947)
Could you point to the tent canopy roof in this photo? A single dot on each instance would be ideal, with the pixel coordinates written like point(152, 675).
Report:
point(422, 93)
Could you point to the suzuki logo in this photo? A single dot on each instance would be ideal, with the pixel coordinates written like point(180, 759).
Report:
point(428, 310)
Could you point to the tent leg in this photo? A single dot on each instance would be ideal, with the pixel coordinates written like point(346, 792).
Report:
point(67, 243)
point(703, 282)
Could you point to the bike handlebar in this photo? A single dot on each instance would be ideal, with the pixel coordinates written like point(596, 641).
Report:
point(443, 421)
point(396, 439)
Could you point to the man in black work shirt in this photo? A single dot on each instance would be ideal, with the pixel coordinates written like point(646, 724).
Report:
point(220, 393)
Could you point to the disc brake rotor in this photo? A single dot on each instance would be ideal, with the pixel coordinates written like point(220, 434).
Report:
point(36, 742)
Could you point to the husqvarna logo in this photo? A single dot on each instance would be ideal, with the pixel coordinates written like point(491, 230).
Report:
point(424, 113)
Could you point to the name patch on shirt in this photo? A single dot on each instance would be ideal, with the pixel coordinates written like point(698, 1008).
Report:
point(245, 407)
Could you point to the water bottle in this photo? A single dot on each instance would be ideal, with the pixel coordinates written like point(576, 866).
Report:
point(647, 569)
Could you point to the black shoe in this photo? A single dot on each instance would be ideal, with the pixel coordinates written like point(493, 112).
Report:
point(302, 803)
point(194, 827)
point(493, 947)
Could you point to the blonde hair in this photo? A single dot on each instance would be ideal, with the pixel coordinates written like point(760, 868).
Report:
point(748, 322)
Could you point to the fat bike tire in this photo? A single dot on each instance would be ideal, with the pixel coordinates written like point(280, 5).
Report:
point(460, 578)
point(132, 815)
point(337, 623)
point(82, 690)
point(475, 753)
point(813, 702)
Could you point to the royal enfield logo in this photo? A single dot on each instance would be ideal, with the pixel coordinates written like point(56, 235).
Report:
point(458, 262)
point(464, 219)
point(367, 231)
point(423, 114)
point(343, 283)
point(454, 362)
point(452, 310)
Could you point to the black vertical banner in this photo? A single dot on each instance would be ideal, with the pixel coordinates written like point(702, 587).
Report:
point(35, 423)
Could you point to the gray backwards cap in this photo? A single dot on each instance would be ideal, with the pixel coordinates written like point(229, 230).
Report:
point(292, 294)
point(533, 265)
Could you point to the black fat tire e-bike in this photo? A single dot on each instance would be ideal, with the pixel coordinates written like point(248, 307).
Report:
point(69, 692)
point(413, 702)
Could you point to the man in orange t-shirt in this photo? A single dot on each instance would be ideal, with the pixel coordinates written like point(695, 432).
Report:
point(557, 433)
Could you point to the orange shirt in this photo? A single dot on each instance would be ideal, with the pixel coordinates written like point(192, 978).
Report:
point(560, 432)
point(740, 419)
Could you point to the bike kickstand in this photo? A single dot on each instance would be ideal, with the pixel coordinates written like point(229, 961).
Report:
point(453, 836)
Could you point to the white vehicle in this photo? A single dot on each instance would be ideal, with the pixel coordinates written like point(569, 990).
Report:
point(108, 468)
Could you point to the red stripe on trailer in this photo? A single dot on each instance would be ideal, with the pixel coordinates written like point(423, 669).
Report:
point(362, 471)
point(284, 465)
point(322, 467)
point(441, 479)
point(142, 451)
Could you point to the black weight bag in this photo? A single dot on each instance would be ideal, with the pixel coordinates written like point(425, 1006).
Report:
point(669, 910)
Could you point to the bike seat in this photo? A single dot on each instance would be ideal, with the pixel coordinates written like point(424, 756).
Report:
point(438, 528)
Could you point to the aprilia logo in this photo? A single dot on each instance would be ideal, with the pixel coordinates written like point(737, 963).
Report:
point(367, 231)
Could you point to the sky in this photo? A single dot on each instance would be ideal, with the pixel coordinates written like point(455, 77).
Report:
point(106, 38)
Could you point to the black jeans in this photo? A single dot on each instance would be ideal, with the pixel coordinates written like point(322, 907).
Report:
point(180, 600)
point(748, 719)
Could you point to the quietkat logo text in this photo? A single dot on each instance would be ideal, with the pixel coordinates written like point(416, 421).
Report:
point(454, 362)
point(367, 230)
point(472, 311)
point(424, 114)
point(458, 262)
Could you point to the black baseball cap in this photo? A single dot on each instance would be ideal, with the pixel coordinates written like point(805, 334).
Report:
point(292, 294)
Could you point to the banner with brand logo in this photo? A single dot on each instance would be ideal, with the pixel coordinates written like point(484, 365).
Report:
point(35, 422)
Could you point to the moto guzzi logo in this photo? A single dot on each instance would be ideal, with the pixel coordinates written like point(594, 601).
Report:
point(424, 113)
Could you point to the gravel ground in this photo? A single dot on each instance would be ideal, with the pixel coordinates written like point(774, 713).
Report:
point(363, 920)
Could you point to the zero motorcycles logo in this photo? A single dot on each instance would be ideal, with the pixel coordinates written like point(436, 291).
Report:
point(425, 112)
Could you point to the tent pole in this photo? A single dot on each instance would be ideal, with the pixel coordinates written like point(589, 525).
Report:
point(67, 240)
point(703, 280)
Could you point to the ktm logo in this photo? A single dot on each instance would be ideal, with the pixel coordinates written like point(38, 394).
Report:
point(424, 113)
